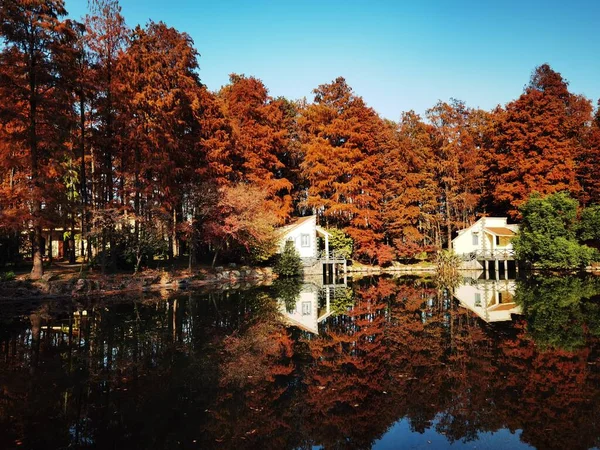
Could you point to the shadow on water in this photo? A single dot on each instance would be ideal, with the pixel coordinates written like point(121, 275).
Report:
point(376, 363)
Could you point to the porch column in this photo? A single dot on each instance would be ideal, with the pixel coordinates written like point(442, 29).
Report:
point(326, 247)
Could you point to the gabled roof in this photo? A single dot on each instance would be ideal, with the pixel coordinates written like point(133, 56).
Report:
point(496, 231)
point(296, 323)
point(293, 225)
point(322, 231)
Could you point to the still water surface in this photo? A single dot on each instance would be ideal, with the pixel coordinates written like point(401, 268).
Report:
point(380, 363)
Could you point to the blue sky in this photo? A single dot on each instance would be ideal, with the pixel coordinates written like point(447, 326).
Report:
point(398, 55)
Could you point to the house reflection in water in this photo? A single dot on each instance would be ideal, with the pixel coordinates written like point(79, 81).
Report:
point(492, 300)
point(313, 306)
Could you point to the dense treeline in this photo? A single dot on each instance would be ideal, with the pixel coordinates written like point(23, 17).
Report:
point(108, 132)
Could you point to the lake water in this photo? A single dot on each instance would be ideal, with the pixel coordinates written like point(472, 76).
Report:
point(380, 363)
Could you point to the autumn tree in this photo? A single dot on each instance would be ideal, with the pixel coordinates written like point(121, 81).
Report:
point(34, 64)
point(589, 163)
point(458, 165)
point(342, 143)
point(260, 136)
point(238, 218)
point(161, 113)
point(410, 198)
point(537, 142)
point(105, 41)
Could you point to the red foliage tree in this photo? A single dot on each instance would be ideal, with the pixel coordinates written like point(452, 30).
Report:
point(162, 103)
point(343, 143)
point(260, 139)
point(537, 141)
point(35, 64)
point(458, 165)
point(410, 199)
point(589, 164)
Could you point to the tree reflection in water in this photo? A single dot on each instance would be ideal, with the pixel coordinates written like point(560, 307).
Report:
point(223, 370)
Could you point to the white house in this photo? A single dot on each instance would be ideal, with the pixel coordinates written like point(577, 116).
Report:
point(307, 313)
point(303, 232)
point(492, 300)
point(487, 236)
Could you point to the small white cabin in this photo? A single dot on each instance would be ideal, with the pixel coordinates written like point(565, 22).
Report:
point(308, 312)
point(488, 235)
point(303, 232)
point(491, 300)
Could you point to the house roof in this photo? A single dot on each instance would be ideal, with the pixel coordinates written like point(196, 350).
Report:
point(503, 307)
point(499, 231)
point(296, 323)
point(295, 224)
point(322, 231)
point(478, 221)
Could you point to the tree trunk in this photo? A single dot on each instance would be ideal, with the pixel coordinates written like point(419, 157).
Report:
point(50, 247)
point(214, 261)
point(174, 231)
point(448, 222)
point(103, 255)
point(83, 185)
point(38, 263)
point(72, 241)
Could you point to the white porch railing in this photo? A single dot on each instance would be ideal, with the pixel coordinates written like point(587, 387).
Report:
point(489, 255)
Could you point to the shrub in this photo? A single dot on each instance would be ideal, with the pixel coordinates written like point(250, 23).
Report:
point(447, 269)
point(7, 276)
point(288, 291)
point(288, 264)
point(340, 242)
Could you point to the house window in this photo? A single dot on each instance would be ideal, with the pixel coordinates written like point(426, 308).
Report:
point(477, 299)
point(305, 240)
point(475, 239)
point(498, 240)
point(306, 308)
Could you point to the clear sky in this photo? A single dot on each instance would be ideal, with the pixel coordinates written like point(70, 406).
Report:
point(398, 55)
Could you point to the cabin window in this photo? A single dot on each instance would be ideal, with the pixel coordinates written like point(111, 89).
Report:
point(475, 239)
point(305, 240)
point(306, 308)
point(477, 299)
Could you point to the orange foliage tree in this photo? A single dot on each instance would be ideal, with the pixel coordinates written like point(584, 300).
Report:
point(260, 139)
point(589, 164)
point(458, 165)
point(162, 100)
point(410, 198)
point(343, 141)
point(537, 142)
point(35, 63)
